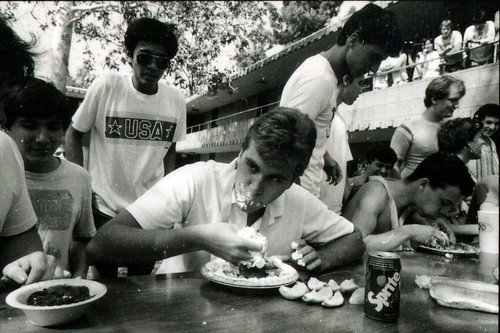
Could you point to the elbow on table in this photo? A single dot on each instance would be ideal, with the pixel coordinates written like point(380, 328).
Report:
point(94, 252)
point(360, 247)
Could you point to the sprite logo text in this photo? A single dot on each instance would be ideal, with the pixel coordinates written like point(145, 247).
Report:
point(381, 299)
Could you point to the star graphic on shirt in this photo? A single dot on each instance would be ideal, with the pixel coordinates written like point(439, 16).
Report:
point(115, 127)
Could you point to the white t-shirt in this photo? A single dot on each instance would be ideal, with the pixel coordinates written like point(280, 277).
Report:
point(312, 89)
point(16, 212)
point(131, 133)
point(202, 193)
point(338, 148)
point(62, 200)
point(484, 53)
point(455, 41)
point(413, 141)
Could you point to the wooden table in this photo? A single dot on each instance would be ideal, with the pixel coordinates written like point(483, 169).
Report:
point(188, 303)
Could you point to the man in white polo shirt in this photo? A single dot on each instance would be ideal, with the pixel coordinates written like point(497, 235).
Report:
point(201, 206)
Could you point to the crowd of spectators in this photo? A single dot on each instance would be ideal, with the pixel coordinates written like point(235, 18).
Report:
point(443, 54)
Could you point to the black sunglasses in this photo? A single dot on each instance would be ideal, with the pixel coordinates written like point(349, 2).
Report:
point(145, 59)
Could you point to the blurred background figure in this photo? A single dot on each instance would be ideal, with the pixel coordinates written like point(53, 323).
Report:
point(379, 161)
point(381, 80)
point(449, 42)
point(487, 164)
point(481, 32)
point(427, 62)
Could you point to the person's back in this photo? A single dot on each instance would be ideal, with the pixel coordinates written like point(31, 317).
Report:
point(37, 115)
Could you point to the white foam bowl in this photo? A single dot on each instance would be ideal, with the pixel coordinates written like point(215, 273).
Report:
point(57, 314)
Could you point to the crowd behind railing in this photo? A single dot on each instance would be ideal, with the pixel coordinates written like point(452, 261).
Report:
point(446, 53)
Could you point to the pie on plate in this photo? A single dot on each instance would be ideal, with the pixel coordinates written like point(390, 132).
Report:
point(460, 249)
point(273, 275)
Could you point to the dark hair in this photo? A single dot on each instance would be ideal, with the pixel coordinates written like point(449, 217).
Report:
point(381, 152)
point(442, 170)
point(479, 17)
point(36, 98)
point(283, 134)
point(455, 134)
point(151, 30)
point(439, 88)
point(15, 55)
point(374, 25)
point(487, 110)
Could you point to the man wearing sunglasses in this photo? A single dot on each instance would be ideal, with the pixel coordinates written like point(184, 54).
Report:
point(134, 122)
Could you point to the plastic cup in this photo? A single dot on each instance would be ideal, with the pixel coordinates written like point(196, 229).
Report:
point(488, 230)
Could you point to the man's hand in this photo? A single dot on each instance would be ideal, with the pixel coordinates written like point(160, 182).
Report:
point(332, 170)
point(444, 225)
point(306, 256)
point(34, 267)
point(222, 240)
point(427, 235)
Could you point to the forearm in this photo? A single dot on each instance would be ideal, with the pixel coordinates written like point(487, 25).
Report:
point(15, 247)
point(122, 244)
point(342, 251)
point(78, 263)
point(387, 241)
point(73, 146)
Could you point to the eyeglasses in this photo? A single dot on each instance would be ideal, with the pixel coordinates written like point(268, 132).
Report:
point(145, 59)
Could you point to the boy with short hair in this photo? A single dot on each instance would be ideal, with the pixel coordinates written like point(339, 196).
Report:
point(21, 258)
point(369, 36)
point(134, 123)
point(183, 212)
point(37, 115)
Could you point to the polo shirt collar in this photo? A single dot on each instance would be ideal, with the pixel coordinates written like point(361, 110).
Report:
point(273, 210)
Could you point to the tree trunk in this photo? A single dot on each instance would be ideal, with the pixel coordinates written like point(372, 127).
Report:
point(61, 45)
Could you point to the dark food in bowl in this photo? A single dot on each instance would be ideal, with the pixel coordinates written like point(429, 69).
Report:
point(59, 295)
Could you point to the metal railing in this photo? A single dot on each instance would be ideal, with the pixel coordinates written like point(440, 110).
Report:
point(245, 115)
point(449, 54)
point(238, 116)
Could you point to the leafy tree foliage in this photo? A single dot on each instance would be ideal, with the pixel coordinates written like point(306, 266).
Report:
point(299, 19)
point(204, 28)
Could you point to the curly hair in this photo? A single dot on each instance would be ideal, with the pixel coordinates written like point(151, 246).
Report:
point(439, 88)
point(455, 134)
point(35, 98)
point(442, 170)
point(283, 134)
point(151, 30)
point(487, 110)
point(374, 25)
point(381, 152)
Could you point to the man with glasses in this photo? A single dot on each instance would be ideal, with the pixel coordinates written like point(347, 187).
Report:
point(134, 122)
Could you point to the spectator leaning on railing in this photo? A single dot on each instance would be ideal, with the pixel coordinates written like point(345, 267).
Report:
point(450, 41)
point(481, 32)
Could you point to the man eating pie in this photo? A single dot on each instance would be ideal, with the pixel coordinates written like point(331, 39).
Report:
point(198, 209)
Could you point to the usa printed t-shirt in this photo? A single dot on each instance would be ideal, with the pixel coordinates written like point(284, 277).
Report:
point(62, 202)
point(130, 135)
